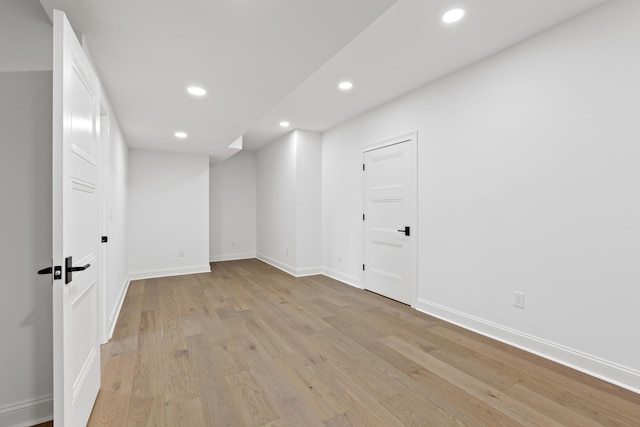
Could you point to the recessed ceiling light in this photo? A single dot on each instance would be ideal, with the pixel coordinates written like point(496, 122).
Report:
point(345, 85)
point(285, 124)
point(180, 134)
point(453, 15)
point(196, 91)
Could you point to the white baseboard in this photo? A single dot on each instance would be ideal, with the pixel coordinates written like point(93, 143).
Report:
point(27, 413)
point(277, 264)
point(295, 272)
point(232, 257)
point(591, 365)
point(113, 317)
point(151, 274)
point(341, 277)
point(308, 271)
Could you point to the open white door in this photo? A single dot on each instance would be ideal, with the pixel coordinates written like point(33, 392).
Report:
point(76, 108)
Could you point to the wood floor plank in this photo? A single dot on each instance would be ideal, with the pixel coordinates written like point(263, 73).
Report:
point(476, 388)
point(312, 387)
point(553, 409)
point(247, 394)
point(607, 408)
point(363, 408)
point(369, 339)
point(497, 377)
point(111, 407)
point(147, 413)
point(417, 412)
point(248, 345)
point(148, 373)
point(484, 392)
point(290, 406)
point(215, 358)
point(367, 371)
point(218, 406)
point(184, 413)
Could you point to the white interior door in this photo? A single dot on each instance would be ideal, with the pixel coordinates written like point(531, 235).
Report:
point(389, 221)
point(76, 221)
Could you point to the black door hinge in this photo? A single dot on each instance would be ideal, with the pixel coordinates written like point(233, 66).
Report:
point(362, 267)
point(363, 166)
point(363, 217)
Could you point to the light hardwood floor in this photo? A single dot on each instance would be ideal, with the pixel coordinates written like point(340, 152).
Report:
point(248, 345)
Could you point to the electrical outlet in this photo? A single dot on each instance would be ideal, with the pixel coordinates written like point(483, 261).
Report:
point(518, 299)
point(180, 253)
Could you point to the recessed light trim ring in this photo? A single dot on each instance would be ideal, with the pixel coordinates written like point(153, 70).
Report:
point(196, 91)
point(453, 15)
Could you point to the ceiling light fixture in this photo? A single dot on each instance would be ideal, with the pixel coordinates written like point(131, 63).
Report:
point(180, 134)
point(285, 124)
point(196, 91)
point(453, 15)
point(345, 85)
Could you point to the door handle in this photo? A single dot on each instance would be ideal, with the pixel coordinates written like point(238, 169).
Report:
point(69, 269)
point(57, 272)
point(406, 231)
point(84, 267)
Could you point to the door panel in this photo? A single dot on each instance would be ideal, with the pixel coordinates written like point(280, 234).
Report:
point(75, 228)
point(388, 253)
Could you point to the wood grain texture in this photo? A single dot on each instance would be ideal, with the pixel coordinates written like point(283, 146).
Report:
point(248, 345)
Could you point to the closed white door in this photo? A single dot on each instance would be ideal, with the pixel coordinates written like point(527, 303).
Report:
point(76, 350)
point(389, 218)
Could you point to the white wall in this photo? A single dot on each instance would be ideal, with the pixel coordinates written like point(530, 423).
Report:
point(117, 261)
point(528, 180)
point(168, 212)
point(276, 203)
point(288, 203)
point(308, 202)
point(232, 208)
point(26, 372)
point(25, 36)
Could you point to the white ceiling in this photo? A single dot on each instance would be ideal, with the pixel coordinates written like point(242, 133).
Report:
point(263, 61)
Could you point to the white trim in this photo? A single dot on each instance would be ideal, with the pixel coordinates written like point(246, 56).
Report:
point(591, 365)
point(277, 264)
point(308, 271)
point(113, 318)
point(342, 277)
point(104, 166)
point(295, 272)
point(27, 413)
point(232, 257)
point(406, 137)
point(166, 272)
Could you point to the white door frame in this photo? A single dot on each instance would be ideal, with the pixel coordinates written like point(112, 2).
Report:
point(104, 171)
point(412, 139)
